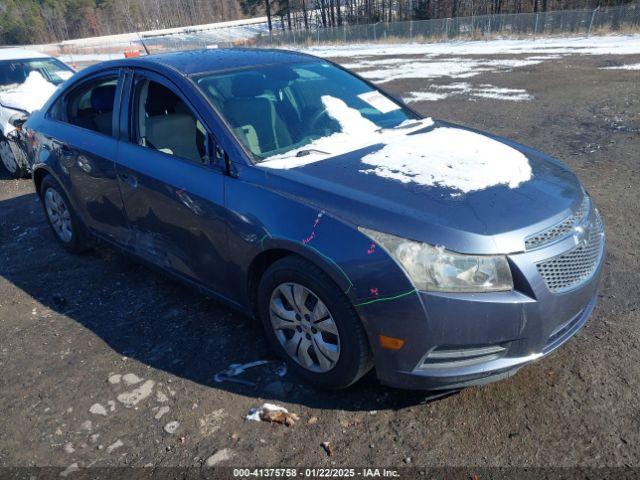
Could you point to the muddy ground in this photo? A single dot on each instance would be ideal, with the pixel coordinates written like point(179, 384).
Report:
point(72, 327)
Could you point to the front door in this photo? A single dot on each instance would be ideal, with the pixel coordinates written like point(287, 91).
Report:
point(173, 189)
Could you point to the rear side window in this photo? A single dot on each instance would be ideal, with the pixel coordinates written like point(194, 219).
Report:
point(90, 107)
point(165, 123)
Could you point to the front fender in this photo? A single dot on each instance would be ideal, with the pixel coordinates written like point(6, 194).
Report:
point(263, 219)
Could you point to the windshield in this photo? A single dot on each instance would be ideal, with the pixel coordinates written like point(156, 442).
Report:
point(14, 72)
point(288, 109)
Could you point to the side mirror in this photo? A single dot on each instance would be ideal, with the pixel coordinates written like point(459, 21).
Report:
point(220, 154)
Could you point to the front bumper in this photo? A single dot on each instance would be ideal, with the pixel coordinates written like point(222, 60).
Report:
point(479, 372)
point(459, 340)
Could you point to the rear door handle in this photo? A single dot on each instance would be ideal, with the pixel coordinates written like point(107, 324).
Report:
point(130, 180)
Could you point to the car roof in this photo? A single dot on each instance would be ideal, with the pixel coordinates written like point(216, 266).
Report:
point(194, 62)
point(20, 54)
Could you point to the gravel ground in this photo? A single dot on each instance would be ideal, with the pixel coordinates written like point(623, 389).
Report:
point(107, 363)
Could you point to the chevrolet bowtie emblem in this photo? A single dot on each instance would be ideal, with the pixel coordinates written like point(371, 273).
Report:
point(580, 235)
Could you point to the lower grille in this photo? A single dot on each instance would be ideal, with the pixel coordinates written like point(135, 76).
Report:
point(569, 270)
point(457, 356)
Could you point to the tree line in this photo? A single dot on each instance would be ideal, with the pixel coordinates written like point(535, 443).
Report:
point(45, 21)
point(311, 14)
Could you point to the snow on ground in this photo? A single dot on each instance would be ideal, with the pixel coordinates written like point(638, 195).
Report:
point(462, 88)
point(90, 57)
point(383, 63)
point(633, 66)
point(403, 68)
point(604, 45)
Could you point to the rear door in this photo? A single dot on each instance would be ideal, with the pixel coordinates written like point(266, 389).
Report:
point(172, 184)
point(81, 127)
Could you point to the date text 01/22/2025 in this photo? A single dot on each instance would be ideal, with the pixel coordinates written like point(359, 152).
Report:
point(315, 472)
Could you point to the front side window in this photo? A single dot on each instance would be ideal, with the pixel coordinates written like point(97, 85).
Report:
point(282, 109)
point(91, 106)
point(165, 123)
point(13, 73)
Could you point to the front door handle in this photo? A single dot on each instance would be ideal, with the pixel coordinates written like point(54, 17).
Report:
point(130, 180)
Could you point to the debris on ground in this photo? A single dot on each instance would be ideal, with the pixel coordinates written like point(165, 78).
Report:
point(236, 369)
point(272, 414)
point(171, 427)
point(327, 448)
point(312, 421)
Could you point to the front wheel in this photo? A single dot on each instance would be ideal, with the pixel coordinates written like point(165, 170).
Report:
point(310, 322)
point(9, 157)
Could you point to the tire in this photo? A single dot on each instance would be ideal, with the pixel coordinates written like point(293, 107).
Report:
point(9, 160)
point(66, 226)
point(308, 338)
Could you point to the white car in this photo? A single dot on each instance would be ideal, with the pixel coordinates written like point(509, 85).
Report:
point(27, 80)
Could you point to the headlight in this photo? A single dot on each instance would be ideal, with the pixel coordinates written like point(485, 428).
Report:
point(436, 269)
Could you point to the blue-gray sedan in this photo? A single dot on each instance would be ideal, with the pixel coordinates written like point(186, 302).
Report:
point(360, 233)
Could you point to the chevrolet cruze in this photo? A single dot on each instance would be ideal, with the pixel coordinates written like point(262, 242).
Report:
point(360, 233)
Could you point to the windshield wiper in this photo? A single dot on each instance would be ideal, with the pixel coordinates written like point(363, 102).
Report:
point(309, 151)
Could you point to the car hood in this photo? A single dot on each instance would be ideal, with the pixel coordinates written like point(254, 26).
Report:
point(27, 97)
point(445, 185)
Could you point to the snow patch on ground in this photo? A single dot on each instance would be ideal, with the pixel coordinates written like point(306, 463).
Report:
point(463, 88)
point(114, 446)
point(132, 398)
point(450, 157)
point(633, 66)
point(90, 57)
point(98, 409)
point(596, 45)
point(402, 68)
point(212, 422)
point(414, 97)
point(510, 94)
point(219, 456)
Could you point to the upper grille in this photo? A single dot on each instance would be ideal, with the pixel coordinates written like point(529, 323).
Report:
point(560, 230)
point(576, 266)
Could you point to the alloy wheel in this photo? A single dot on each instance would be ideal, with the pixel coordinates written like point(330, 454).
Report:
point(58, 214)
point(304, 327)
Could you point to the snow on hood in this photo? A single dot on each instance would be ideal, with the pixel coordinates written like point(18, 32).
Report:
point(448, 157)
point(30, 95)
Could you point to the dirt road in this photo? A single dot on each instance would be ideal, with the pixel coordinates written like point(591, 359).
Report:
point(105, 362)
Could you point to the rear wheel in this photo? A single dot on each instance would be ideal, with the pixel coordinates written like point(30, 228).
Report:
point(311, 323)
point(66, 226)
point(9, 158)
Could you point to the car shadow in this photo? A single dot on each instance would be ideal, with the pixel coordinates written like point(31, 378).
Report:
point(144, 315)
